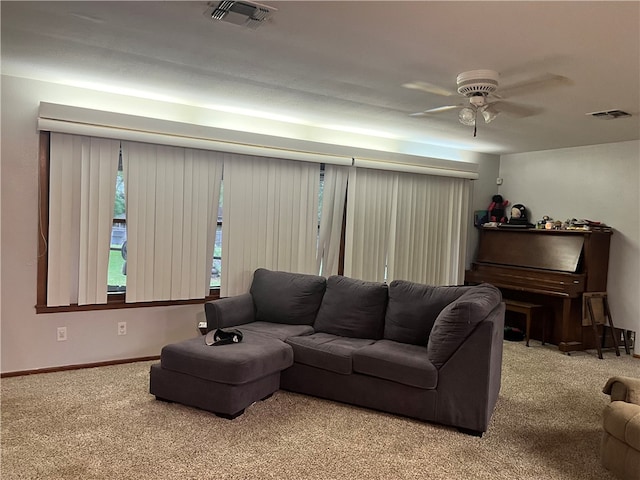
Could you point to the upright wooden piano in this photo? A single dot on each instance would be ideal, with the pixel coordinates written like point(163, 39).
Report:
point(546, 267)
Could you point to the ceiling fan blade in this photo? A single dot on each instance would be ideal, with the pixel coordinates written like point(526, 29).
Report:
point(546, 63)
point(429, 88)
point(446, 108)
point(546, 80)
point(515, 109)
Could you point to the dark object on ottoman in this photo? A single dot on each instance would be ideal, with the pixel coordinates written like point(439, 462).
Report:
point(223, 337)
point(224, 379)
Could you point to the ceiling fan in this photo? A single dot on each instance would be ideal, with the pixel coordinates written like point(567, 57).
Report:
point(480, 87)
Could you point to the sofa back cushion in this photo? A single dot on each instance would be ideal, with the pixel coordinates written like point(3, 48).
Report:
point(284, 297)
point(413, 309)
point(458, 319)
point(352, 308)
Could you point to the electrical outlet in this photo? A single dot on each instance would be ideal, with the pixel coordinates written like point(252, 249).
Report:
point(62, 334)
point(202, 327)
point(122, 328)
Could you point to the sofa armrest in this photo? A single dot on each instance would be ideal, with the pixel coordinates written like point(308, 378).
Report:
point(229, 311)
point(624, 389)
point(469, 382)
point(620, 445)
point(622, 420)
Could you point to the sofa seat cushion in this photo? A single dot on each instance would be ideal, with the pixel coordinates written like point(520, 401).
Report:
point(458, 319)
point(413, 309)
point(327, 351)
point(255, 357)
point(284, 297)
point(281, 331)
point(398, 362)
point(352, 308)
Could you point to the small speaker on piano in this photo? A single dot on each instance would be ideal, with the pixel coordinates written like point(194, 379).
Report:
point(518, 217)
point(480, 217)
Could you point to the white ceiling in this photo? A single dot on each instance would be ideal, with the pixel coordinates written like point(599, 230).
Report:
point(345, 62)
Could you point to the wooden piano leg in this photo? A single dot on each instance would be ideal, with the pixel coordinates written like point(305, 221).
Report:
point(567, 346)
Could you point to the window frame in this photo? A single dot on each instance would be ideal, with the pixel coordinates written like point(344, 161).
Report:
point(114, 300)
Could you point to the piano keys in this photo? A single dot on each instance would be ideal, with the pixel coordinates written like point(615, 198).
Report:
point(548, 267)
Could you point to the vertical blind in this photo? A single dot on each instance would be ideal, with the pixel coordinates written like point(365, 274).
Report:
point(333, 201)
point(81, 191)
point(369, 206)
point(270, 218)
point(406, 226)
point(172, 201)
point(428, 239)
point(399, 225)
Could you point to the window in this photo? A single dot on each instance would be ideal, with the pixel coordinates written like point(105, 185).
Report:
point(406, 226)
point(216, 266)
point(68, 227)
point(118, 251)
point(130, 194)
point(270, 212)
point(117, 281)
point(280, 214)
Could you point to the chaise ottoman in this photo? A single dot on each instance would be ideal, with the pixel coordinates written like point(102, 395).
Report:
point(223, 379)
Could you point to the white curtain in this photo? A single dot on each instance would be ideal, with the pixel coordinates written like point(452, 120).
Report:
point(369, 205)
point(332, 213)
point(172, 202)
point(406, 226)
point(81, 196)
point(429, 230)
point(270, 218)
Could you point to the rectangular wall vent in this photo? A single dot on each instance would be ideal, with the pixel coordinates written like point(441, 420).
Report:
point(609, 114)
point(244, 13)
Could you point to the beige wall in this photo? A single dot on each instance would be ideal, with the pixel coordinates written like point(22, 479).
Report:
point(28, 341)
point(600, 183)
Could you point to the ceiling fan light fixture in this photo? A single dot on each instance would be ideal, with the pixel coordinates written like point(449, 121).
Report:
point(478, 100)
point(489, 114)
point(467, 116)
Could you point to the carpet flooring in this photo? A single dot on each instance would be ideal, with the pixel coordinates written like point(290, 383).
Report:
point(101, 423)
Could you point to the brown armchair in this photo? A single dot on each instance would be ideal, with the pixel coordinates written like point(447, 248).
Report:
point(620, 448)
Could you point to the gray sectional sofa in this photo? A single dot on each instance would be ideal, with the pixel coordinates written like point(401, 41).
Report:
point(428, 352)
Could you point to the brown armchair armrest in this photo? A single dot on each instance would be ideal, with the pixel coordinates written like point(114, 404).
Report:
point(625, 389)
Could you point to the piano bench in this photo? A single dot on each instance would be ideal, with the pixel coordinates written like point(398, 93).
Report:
point(528, 310)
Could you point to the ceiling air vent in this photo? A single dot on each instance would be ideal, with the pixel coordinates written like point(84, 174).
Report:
point(609, 114)
point(248, 14)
